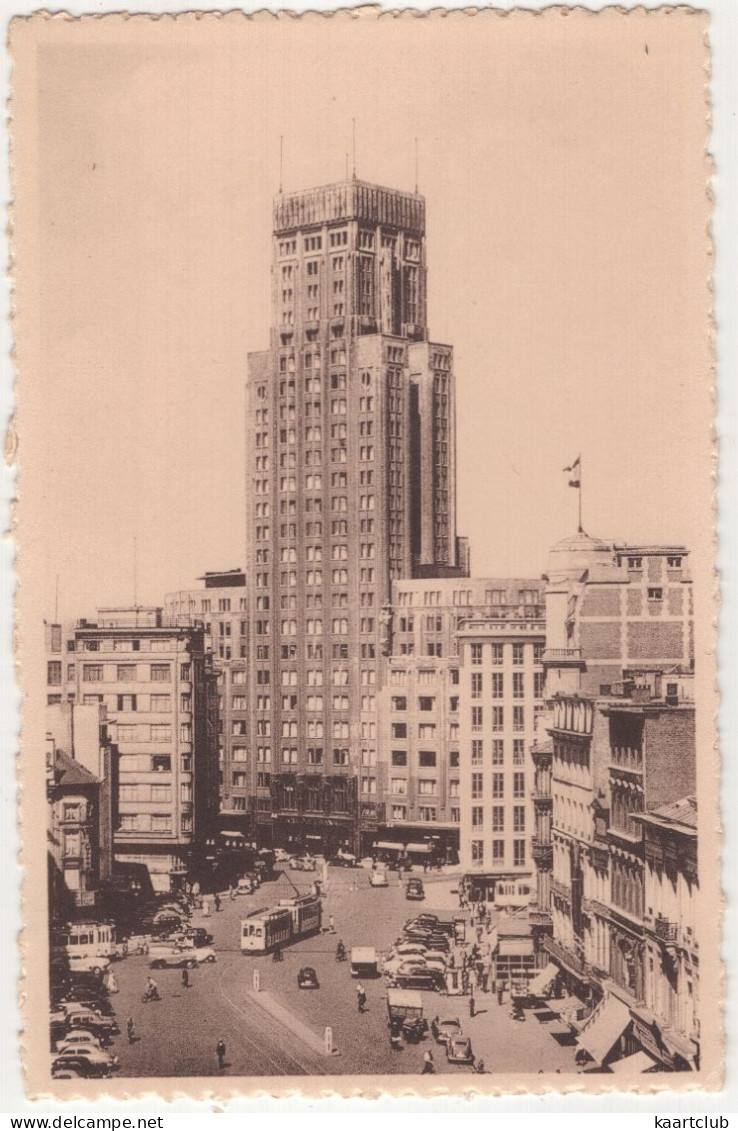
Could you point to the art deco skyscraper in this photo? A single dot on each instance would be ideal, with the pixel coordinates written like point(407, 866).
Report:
point(350, 484)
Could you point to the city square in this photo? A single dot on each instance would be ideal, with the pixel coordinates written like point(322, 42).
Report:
point(280, 1030)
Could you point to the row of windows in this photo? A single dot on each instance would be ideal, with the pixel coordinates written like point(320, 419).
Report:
point(498, 785)
point(498, 853)
point(498, 718)
point(498, 818)
point(497, 751)
point(497, 654)
point(497, 685)
point(126, 673)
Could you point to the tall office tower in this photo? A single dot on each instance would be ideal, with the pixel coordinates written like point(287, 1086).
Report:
point(350, 484)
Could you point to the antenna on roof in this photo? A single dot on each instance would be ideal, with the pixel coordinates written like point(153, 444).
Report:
point(416, 165)
point(353, 143)
point(281, 159)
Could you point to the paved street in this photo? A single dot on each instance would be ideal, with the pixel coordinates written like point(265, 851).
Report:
point(280, 1031)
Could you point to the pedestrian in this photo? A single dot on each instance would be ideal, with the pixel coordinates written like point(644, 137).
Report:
point(221, 1051)
point(206, 908)
point(480, 929)
point(185, 979)
point(428, 1066)
point(231, 892)
point(131, 1030)
point(196, 888)
point(472, 1005)
point(331, 924)
point(361, 998)
point(110, 983)
point(500, 992)
point(485, 978)
point(216, 901)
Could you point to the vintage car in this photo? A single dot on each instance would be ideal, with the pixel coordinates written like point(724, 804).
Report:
point(414, 890)
point(72, 1042)
point(378, 880)
point(88, 964)
point(84, 1062)
point(303, 863)
point(184, 956)
point(281, 855)
point(307, 979)
point(459, 1050)
point(444, 1030)
point(415, 976)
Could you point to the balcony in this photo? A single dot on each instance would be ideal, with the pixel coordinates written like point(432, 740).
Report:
point(542, 853)
point(563, 891)
point(665, 930)
point(560, 656)
point(541, 798)
point(537, 917)
point(565, 956)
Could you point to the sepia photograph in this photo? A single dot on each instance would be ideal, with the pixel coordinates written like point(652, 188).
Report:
point(365, 551)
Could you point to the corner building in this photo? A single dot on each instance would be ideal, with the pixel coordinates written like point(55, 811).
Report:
point(350, 484)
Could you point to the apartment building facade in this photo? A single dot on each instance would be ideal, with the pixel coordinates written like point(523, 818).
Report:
point(221, 606)
point(350, 485)
point(500, 699)
point(156, 683)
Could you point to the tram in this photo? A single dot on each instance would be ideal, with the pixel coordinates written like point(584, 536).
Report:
point(290, 920)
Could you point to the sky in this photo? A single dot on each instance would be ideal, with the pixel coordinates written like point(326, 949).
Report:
point(563, 167)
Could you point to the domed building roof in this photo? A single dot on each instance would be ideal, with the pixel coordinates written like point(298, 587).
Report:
point(579, 551)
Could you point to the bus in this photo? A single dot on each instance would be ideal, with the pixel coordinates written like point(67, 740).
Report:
point(291, 920)
point(86, 940)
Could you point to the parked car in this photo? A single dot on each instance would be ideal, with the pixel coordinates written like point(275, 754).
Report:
point(459, 1050)
point(408, 948)
point(344, 860)
point(415, 976)
point(84, 1062)
point(414, 890)
point(88, 964)
point(444, 1030)
point(303, 863)
point(198, 936)
point(189, 956)
point(307, 979)
point(281, 856)
point(71, 1042)
point(378, 880)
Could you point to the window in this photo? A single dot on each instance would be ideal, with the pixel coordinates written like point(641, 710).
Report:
point(498, 718)
point(498, 786)
point(477, 785)
point(126, 702)
point(518, 784)
point(399, 757)
point(399, 730)
point(476, 653)
point(476, 685)
point(519, 818)
point(427, 813)
point(399, 703)
point(161, 673)
point(477, 816)
point(539, 682)
point(519, 853)
point(477, 851)
point(497, 654)
point(399, 812)
point(477, 718)
point(427, 758)
point(518, 752)
point(398, 786)
point(54, 672)
point(498, 819)
point(340, 756)
point(161, 763)
point(518, 654)
point(91, 673)
point(518, 685)
point(477, 751)
point(161, 823)
point(635, 563)
point(674, 562)
point(498, 685)
point(498, 751)
point(518, 718)
point(498, 852)
point(160, 704)
point(655, 594)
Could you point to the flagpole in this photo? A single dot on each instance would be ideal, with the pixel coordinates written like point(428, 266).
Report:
point(581, 529)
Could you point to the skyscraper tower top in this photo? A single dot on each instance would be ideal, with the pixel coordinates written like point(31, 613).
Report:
point(349, 200)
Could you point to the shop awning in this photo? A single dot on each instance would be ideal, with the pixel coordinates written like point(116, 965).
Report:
point(418, 848)
point(542, 984)
point(387, 845)
point(515, 946)
point(604, 1027)
point(632, 1065)
point(232, 833)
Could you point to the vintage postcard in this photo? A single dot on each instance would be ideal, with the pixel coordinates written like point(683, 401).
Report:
point(366, 594)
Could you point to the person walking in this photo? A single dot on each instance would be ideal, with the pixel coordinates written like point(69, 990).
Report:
point(428, 1066)
point(361, 998)
point(472, 1005)
point(131, 1030)
point(216, 901)
point(221, 1051)
point(185, 979)
point(331, 924)
point(500, 991)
